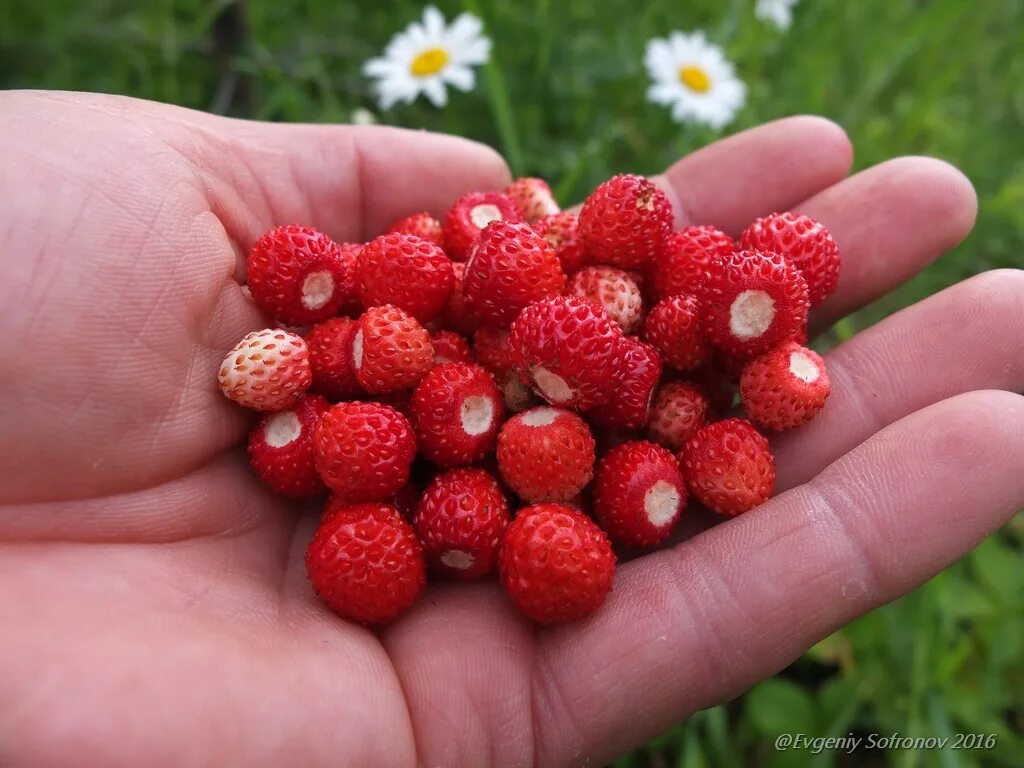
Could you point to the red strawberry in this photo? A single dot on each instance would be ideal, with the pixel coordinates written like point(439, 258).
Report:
point(614, 290)
point(624, 222)
point(511, 266)
point(330, 358)
point(562, 231)
point(281, 448)
point(390, 350)
point(350, 305)
point(684, 259)
point(632, 389)
point(457, 410)
point(450, 347)
point(469, 215)
point(555, 563)
point(567, 349)
point(366, 563)
point(639, 493)
point(491, 350)
point(297, 275)
point(805, 243)
point(754, 301)
point(532, 198)
point(363, 451)
point(422, 225)
point(729, 467)
point(679, 410)
point(457, 315)
point(461, 519)
point(674, 328)
point(785, 387)
point(407, 272)
point(267, 370)
point(546, 454)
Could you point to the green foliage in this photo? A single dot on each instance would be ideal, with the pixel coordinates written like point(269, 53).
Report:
point(564, 98)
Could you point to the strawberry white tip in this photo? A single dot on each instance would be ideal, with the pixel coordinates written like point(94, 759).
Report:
point(552, 386)
point(540, 417)
point(357, 350)
point(281, 429)
point(484, 214)
point(317, 289)
point(661, 502)
point(751, 314)
point(457, 559)
point(805, 369)
point(477, 414)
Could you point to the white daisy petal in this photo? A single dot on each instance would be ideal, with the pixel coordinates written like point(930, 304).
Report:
point(434, 90)
point(465, 27)
point(433, 22)
point(460, 77)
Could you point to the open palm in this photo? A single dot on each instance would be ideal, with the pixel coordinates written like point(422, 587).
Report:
point(153, 602)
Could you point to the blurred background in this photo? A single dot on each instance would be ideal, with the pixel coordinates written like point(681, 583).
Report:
point(563, 96)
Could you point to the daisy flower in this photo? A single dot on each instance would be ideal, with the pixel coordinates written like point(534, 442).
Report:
point(428, 56)
point(777, 12)
point(694, 79)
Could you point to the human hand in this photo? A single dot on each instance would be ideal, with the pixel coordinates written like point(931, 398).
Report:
point(153, 601)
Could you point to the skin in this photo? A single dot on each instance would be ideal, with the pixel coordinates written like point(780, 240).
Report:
point(153, 602)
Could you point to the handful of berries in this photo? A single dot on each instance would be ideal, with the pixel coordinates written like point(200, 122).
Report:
point(580, 370)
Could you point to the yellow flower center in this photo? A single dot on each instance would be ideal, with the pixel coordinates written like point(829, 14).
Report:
point(695, 78)
point(429, 62)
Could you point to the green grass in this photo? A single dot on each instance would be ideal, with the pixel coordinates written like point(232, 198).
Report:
point(564, 98)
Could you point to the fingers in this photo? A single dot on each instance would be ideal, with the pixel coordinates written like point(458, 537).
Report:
point(890, 221)
point(690, 626)
point(968, 337)
point(769, 168)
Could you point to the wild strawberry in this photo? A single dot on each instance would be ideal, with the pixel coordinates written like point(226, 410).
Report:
point(546, 454)
point(390, 350)
point(450, 347)
point(555, 563)
point(461, 518)
point(457, 315)
point(267, 370)
point(684, 259)
point(729, 467)
point(330, 358)
point(679, 410)
point(366, 563)
point(407, 272)
point(422, 225)
point(457, 410)
point(753, 301)
point(639, 493)
point(281, 448)
point(624, 222)
point(632, 389)
point(297, 275)
point(567, 349)
point(785, 387)
point(805, 243)
point(350, 305)
point(614, 291)
point(532, 198)
point(363, 451)
point(674, 327)
point(511, 266)
point(469, 215)
point(562, 231)
point(491, 350)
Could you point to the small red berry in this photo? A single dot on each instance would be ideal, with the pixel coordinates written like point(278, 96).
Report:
point(785, 387)
point(532, 198)
point(679, 410)
point(546, 454)
point(281, 448)
point(632, 389)
point(407, 272)
point(614, 290)
point(330, 358)
point(675, 328)
point(461, 518)
point(562, 231)
point(729, 467)
point(457, 410)
point(624, 222)
point(639, 493)
point(805, 243)
point(366, 563)
point(450, 347)
point(364, 450)
point(468, 217)
point(555, 563)
point(422, 225)
point(390, 350)
point(685, 256)
point(267, 370)
point(457, 315)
